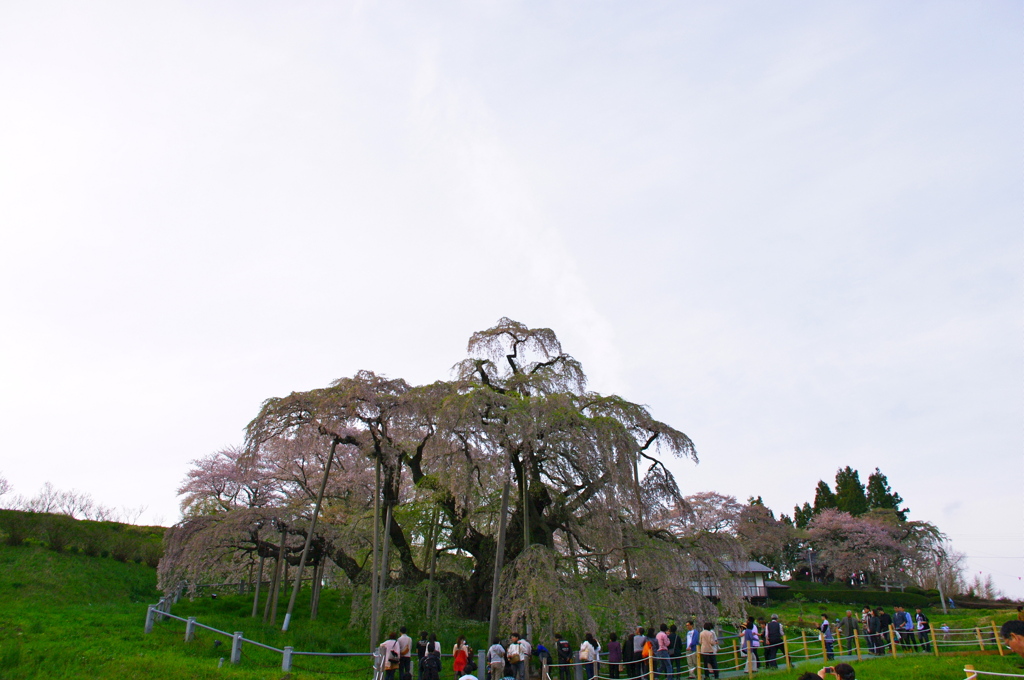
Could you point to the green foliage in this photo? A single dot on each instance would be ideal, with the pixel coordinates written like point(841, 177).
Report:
point(859, 597)
point(850, 495)
point(60, 533)
point(823, 497)
point(880, 495)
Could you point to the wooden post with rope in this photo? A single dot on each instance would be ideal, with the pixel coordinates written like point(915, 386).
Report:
point(736, 653)
point(892, 640)
point(935, 640)
point(995, 634)
point(981, 643)
point(803, 636)
point(856, 642)
point(785, 651)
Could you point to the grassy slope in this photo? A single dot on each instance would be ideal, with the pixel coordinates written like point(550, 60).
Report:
point(72, 616)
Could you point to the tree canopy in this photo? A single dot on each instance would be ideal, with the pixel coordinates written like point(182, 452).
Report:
point(594, 502)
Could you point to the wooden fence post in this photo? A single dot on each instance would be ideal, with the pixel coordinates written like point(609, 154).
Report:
point(935, 640)
point(190, 629)
point(971, 675)
point(803, 636)
point(892, 639)
point(650, 665)
point(824, 648)
point(736, 653)
point(750, 659)
point(149, 619)
point(286, 659)
point(995, 634)
point(856, 642)
point(981, 643)
point(785, 651)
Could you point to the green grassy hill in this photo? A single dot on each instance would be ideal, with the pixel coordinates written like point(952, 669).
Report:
point(71, 615)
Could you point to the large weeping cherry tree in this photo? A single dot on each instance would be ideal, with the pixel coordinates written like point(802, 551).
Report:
point(593, 519)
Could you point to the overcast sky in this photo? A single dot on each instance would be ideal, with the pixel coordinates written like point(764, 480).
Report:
point(793, 229)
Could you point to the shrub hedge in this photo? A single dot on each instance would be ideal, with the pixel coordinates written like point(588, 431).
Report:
point(873, 598)
point(60, 533)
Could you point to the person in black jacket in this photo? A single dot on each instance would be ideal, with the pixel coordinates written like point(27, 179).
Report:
point(773, 642)
point(884, 621)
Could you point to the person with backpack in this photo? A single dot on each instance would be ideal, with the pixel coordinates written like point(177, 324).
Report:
point(432, 662)
point(564, 652)
point(421, 653)
point(390, 656)
point(675, 650)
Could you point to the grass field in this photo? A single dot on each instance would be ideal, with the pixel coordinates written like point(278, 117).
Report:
point(74, 616)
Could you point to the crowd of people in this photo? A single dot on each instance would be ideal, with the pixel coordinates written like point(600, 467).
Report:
point(670, 652)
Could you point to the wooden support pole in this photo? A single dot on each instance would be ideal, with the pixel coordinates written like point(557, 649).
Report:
point(499, 558)
point(374, 629)
point(856, 642)
point(892, 640)
point(971, 675)
point(650, 665)
point(785, 651)
point(309, 537)
point(995, 633)
point(981, 643)
point(750, 659)
point(259, 582)
point(824, 648)
point(807, 652)
point(736, 653)
point(935, 639)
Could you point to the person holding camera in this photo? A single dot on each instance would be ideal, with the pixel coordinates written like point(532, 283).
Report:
point(843, 671)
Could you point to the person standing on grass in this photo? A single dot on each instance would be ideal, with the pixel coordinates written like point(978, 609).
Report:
point(514, 657)
point(709, 650)
point(773, 639)
point(564, 651)
point(405, 647)
point(662, 656)
point(692, 642)
point(391, 655)
point(460, 655)
point(496, 659)
point(614, 655)
point(921, 623)
point(421, 652)
point(826, 636)
point(884, 622)
point(848, 627)
point(588, 654)
point(675, 651)
point(905, 628)
point(639, 640)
